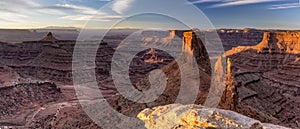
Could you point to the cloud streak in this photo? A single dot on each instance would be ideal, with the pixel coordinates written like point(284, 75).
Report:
point(70, 7)
point(243, 2)
point(93, 18)
point(227, 3)
point(285, 6)
point(120, 6)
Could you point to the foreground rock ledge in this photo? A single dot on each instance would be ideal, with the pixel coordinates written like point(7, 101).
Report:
point(176, 116)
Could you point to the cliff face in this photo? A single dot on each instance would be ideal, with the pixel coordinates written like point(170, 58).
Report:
point(280, 42)
point(273, 42)
point(229, 98)
point(192, 45)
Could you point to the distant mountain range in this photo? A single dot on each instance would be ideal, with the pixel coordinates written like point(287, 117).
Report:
point(60, 28)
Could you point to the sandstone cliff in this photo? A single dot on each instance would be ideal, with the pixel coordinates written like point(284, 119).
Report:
point(280, 42)
point(273, 42)
point(193, 45)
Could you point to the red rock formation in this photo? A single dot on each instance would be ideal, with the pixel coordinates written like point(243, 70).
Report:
point(280, 42)
point(49, 38)
point(192, 45)
point(229, 98)
point(273, 42)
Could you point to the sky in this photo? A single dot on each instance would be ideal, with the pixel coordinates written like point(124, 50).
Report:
point(264, 14)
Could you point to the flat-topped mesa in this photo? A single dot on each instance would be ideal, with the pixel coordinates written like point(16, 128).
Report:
point(273, 43)
point(279, 42)
point(154, 36)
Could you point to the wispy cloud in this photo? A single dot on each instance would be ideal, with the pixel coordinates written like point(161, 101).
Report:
point(226, 3)
point(120, 6)
point(90, 17)
point(285, 6)
point(22, 7)
point(206, 1)
point(70, 7)
point(242, 2)
point(34, 13)
point(15, 10)
point(5, 20)
point(8, 10)
point(19, 2)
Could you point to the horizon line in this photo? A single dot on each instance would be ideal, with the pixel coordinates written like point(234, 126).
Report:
point(127, 28)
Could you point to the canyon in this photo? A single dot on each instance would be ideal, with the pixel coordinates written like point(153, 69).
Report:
point(261, 82)
point(266, 81)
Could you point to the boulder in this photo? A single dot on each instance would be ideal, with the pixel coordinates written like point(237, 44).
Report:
point(177, 116)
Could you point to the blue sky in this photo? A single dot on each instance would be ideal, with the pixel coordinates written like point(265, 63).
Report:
point(270, 14)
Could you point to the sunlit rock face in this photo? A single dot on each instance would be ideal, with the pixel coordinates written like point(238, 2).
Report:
point(193, 47)
point(178, 116)
point(161, 36)
point(280, 42)
point(273, 43)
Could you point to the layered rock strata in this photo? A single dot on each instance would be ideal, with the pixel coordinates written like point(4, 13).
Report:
point(266, 78)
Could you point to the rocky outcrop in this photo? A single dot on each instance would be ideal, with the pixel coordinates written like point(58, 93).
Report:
point(280, 42)
point(49, 37)
point(162, 36)
point(178, 116)
point(229, 97)
point(273, 42)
